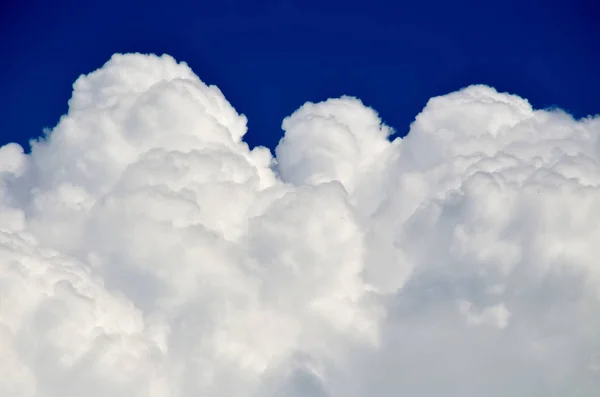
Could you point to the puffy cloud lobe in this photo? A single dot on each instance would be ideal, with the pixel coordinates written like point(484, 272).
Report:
point(337, 140)
point(146, 250)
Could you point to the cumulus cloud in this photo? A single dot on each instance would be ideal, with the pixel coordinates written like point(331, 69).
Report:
point(146, 250)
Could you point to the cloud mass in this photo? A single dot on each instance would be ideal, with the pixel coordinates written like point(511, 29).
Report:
point(146, 250)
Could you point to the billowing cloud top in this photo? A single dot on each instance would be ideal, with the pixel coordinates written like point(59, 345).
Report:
point(146, 251)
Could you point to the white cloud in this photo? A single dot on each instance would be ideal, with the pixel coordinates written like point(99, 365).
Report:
point(145, 250)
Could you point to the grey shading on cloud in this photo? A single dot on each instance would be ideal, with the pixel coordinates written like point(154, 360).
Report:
point(146, 250)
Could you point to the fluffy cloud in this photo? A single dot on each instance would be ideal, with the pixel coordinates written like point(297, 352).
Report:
point(146, 250)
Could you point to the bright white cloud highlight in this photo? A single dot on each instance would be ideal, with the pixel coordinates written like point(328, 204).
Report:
point(146, 251)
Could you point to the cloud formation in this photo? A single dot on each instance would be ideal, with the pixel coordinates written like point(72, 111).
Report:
point(146, 250)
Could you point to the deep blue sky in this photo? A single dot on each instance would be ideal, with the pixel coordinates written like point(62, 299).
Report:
point(269, 57)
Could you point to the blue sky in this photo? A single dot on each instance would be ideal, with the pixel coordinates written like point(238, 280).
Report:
point(269, 57)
